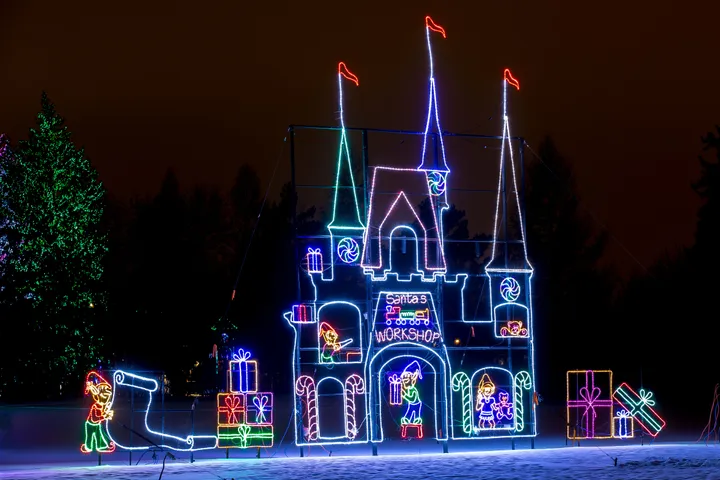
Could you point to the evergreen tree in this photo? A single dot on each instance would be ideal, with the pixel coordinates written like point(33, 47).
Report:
point(53, 208)
point(4, 218)
point(572, 294)
point(707, 236)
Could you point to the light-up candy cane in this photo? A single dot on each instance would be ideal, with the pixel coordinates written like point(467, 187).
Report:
point(354, 385)
point(461, 383)
point(305, 387)
point(522, 381)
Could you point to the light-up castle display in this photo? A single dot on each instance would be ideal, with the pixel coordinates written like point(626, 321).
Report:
point(379, 301)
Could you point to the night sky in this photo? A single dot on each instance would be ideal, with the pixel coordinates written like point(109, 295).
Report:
point(626, 89)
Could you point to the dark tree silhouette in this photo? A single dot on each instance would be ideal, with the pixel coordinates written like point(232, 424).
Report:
point(572, 293)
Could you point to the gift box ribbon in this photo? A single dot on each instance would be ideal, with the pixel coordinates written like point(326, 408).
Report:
point(260, 403)
point(590, 398)
point(242, 355)
point(232, 408)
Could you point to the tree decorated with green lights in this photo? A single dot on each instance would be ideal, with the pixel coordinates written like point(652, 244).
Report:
point(52, 210)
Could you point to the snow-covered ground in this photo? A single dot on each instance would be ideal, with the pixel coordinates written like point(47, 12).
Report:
point(656, 462)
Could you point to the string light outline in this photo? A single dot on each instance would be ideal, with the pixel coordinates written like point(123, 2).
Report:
point(119, 377)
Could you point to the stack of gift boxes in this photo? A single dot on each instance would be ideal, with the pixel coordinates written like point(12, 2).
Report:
point(245, 415)
point(593, 407)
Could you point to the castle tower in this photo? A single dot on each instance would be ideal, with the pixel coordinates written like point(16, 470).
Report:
point(400, 218)
point(509, 271)
point(346, 227)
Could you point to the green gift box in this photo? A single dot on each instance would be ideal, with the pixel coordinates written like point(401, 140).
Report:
point(245, 436)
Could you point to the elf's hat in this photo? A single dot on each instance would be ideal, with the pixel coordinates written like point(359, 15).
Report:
point(326, 328)
point(94, 379)
point(413, 367)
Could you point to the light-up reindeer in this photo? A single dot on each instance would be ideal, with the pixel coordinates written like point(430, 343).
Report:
point(96, 437)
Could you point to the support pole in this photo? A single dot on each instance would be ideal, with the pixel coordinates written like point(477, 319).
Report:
point(512, 443)
point(302, 453)
point(99, 459)
point(374, 449)
point(445, 446)
point(532, 443)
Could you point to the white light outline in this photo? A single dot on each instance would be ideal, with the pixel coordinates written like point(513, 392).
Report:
point(344, 148)
point(370, 268)
point(352, 241)
point(346, 401)
point(119, 377)
point(528, 270)
point(432, 102)
point(344, 410)
point(499, 327)
point(359, 327)
point(448, 374)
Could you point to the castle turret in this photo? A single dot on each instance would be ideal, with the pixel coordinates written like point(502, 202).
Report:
point(509, 271)
point(432, 162)
point(346, 227)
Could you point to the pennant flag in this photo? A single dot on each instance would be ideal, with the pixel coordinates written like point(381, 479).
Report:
point(510, 79)
point(429, 23)
point(343, 70)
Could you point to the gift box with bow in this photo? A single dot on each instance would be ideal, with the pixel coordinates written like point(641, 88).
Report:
point(395, 389)
point(624, 424)
point(588, 405)
point(243, 373)
point(245, 436)
point(639, 405)
point(231, 408)
point(260, 408)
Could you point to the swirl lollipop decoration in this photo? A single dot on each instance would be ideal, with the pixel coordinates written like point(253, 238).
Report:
point(510, 289)
point(436, 181)
point(348, 250)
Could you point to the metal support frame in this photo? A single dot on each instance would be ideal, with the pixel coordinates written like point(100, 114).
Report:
point(370, 287)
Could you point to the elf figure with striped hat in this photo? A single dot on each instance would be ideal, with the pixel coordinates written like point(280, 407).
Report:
point(96, 437)
point(411, 394)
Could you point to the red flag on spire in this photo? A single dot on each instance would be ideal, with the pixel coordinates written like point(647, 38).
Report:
point(343, 70)
point(510, 79)
point(429, 23)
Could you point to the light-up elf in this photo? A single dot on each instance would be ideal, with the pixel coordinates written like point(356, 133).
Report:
point(411, 396)
point(331, 346)
point(96, 437)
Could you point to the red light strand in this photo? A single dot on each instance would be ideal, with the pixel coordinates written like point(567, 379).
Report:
point(430, 23)
point(510, 79)
point(343, 70)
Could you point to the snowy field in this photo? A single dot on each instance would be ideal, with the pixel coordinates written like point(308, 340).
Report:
point(656, 462)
